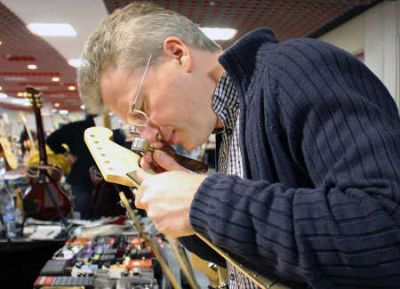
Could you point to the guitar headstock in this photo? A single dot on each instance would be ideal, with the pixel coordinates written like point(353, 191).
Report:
point(34, 97)
point(114, 161)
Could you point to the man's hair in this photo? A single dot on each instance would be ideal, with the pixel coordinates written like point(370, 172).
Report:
point(127, 38)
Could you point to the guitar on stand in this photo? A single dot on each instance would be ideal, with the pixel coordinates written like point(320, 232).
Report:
point(44, 199)
point(30, 143)
point(118, 165)
point(6, 151)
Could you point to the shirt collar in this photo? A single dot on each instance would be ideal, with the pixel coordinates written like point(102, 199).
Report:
point(226, 101)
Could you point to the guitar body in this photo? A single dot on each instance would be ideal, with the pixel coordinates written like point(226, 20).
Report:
point(105, 196)
point(44, 199)
point(105, 200)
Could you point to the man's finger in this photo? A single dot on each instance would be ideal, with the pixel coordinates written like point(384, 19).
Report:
point(138, 200)
point(142, 175)
point(146, 160)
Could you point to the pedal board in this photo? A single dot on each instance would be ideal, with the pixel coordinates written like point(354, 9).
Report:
point(121, 261)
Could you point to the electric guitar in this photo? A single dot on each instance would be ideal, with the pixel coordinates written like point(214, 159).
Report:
point(44, 199)
point(118, 165)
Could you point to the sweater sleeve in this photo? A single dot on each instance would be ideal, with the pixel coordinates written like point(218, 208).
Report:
point(56, 140)
point(202, 250)
point(342, 129)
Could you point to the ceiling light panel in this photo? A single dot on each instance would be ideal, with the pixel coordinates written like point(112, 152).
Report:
point(52, 29)
point(216, 33)
point(31, 66)
point(75, 62)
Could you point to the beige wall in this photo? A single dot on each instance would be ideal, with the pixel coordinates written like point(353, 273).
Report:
point(349, 36)
point(376, 33)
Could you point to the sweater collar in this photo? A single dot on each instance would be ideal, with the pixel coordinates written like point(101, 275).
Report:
point(239, 60)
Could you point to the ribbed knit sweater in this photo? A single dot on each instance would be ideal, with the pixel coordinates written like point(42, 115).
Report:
point(320, 138)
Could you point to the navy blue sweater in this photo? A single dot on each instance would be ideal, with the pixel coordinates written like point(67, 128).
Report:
point(320, 140)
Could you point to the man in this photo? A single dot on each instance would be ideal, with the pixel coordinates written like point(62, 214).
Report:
point(308, 142)
point(78, 178)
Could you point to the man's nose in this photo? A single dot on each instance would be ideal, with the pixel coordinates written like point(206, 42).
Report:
point(150, 133)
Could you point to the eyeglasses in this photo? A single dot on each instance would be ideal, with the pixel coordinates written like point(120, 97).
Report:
point(136, 116)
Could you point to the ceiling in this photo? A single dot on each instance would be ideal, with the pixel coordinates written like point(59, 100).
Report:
point(19, 47)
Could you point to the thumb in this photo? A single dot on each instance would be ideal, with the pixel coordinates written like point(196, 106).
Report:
point(166, 161)
point(141, 175)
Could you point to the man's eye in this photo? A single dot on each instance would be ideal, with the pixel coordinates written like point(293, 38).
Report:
point(139, 105)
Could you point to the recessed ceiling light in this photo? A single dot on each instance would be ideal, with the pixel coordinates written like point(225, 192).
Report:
point(71, 87)
point(1, 42)
point(82, 106)
point(20, 94)
point(55, 79)
point(1, 88)
point(216, 33)
point(31, 66)
point(52, 29)
point(56, 104)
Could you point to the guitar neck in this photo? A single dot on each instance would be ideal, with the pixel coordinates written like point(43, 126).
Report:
point(114, 161)
point(34, 97)
point(28, 131)
point(40, 137)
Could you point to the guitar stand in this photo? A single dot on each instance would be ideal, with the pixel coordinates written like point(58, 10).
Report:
point(44, 175)
point(59, 213)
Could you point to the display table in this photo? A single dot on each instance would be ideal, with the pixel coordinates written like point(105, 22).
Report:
point(22, 260)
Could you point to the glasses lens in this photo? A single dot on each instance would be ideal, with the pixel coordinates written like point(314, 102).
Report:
point(137, 118)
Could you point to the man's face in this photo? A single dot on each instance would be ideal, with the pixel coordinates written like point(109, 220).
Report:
point(178, 103)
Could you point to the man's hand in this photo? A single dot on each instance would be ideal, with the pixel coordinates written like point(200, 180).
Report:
point(167, 197)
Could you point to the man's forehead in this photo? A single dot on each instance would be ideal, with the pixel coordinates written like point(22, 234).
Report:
point(117, 88)
point(113, 79)
point(117, 74)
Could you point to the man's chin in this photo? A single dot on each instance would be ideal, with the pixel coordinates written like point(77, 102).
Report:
point(190, 143)
point(188, 146)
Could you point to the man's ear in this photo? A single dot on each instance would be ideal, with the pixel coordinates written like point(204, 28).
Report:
point(176, 49)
